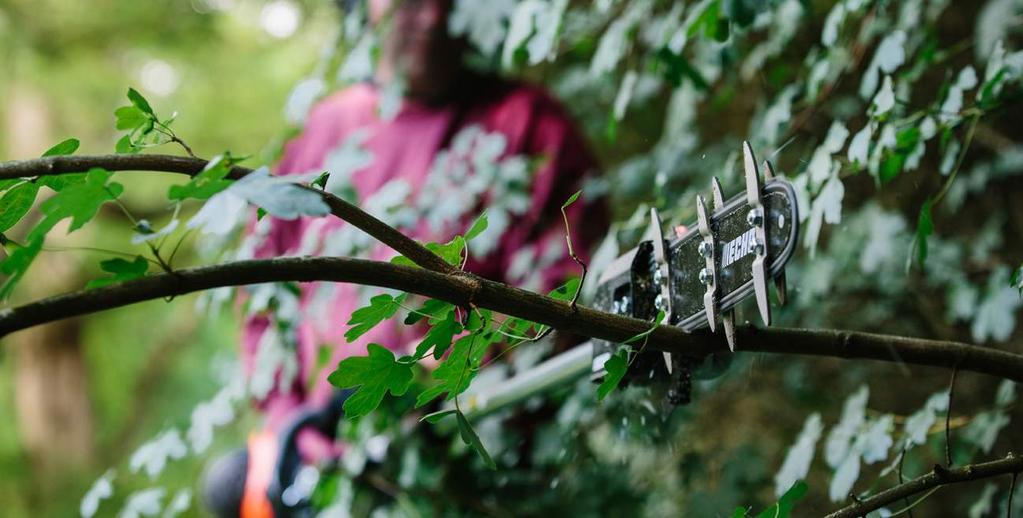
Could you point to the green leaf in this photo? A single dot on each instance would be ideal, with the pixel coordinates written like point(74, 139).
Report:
point(260, 213)
point(208, 182)
point(571, 199)
point(433, 308)
point(479, 320)
point(435, 417)
point(16, 203)
point(380, 308)
point(8, 183)
point(130, 118)
point(439, 337)
point(59, 182)
point(122, 270)
point(375, 375)
point(906, 141)
point(711, 22)
point(566, 291)
point(657, 322)
point(140, 102)
point(477, 227)
point(81, 201)
point(783, 508)
point(451, 251)
point(454, 373)
point(924, 229)
point(18, 260)
point(125, 146)
point(64, 148)
point(470, 437)
point(321, 181)
point(676, 67)
point(615, 366)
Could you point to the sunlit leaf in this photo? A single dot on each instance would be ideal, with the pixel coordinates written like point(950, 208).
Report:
point(129, 118)
point(375, 375)
point(15, 203)
point(121, 270)
point(478, 227)
point(454, 374)
point(381, 307)
point(139, 102)
point(439, 337)
point(66, 147)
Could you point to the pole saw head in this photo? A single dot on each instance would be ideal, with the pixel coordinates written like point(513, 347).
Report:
point(731, 252)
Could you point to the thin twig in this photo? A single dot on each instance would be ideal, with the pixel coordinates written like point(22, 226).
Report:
point(938, 477)
point(571, 253)
point(902, 457)
point(948, 417)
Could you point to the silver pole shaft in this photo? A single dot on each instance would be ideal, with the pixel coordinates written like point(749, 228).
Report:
point(561, 369)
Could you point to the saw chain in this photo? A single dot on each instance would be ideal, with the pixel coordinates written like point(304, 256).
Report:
point(729, 253)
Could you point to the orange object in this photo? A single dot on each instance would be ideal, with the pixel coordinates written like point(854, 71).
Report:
point(262, 458)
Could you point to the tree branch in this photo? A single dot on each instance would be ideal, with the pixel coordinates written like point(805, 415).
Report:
point(379, 230)
point(465, 288)
point(937, 477)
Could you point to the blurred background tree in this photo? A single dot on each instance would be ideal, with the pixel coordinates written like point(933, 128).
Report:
point(876, 110)
point(84, 394)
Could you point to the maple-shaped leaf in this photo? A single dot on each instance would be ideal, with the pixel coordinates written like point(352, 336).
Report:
point(375, 375)
point(439, 337)
point(80, 201)
point(380, 308)
point(121, 270)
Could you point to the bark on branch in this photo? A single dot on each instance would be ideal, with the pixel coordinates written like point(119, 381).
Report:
point(937, 477)
point(465, 288)
point(379, 230)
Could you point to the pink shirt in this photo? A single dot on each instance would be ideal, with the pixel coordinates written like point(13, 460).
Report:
point(531, 251)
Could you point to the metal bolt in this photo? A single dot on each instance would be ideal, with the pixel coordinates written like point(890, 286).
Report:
point(659, 301)
point(706, 250)
point(759, 248)
point(658, 277)
point(706, 277)
point(755, 217)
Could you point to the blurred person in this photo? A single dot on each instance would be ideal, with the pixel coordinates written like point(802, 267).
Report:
point(444, 103)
